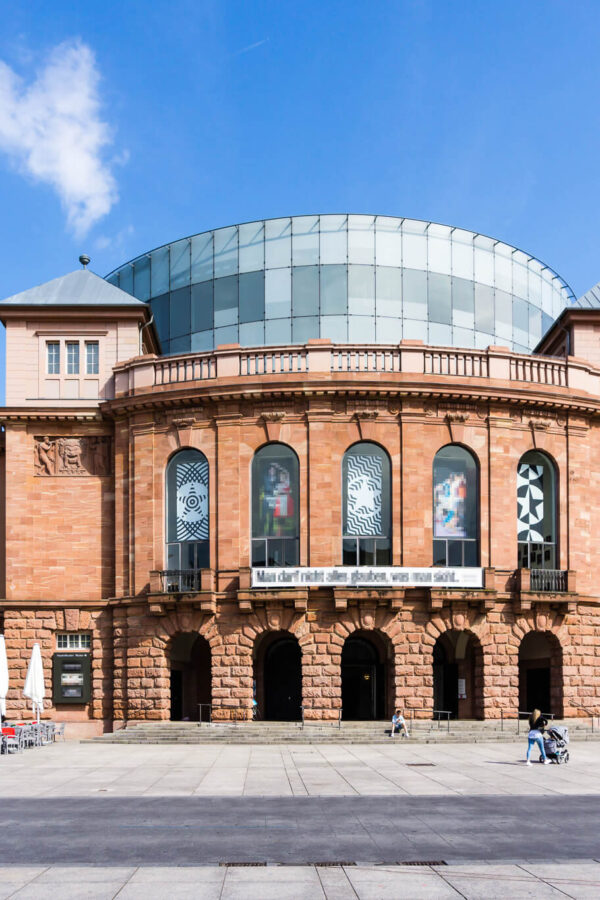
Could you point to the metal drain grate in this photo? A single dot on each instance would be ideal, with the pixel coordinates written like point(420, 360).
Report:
point(342, 862)
point(422, 862)
point(420, 765)
point(242, 864)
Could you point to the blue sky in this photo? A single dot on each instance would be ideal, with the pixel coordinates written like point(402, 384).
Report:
point(127, 125)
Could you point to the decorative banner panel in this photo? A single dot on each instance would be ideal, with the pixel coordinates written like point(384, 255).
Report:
point(72, 455)
point(364, 576)
point(192, 501)
point(275, 487)
point(364, 483)
point(530, 502)
point(449, 501)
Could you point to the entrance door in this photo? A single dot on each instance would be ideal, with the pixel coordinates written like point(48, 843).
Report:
point(538, 689)
point(445, 681)
point(363, 685)
point(176, 695)
point(283, 681)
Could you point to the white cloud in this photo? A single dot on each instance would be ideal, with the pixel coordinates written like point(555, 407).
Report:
point(52, 130)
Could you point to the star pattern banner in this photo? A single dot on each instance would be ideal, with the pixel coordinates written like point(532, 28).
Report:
point(364, 484)
point(192, 501)
point(530, 502)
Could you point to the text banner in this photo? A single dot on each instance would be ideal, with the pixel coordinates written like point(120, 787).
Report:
point(364, 576)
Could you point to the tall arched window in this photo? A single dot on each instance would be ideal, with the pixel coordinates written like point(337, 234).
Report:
point(455, 508)
point(536, 512)
point(275, 507)
point(187, 512)
point(367, 527)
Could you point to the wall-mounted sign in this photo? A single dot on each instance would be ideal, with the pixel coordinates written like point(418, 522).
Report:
point(365, 576)
point(462, 688)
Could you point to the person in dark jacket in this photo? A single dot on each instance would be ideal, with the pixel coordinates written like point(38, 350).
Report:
point(537, 723)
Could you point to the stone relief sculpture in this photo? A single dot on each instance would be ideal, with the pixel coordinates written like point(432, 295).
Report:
point(72, 455)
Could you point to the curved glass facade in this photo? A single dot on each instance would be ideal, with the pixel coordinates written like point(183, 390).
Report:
point(351, 278)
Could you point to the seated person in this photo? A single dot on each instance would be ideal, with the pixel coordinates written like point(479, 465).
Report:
point(399, 724)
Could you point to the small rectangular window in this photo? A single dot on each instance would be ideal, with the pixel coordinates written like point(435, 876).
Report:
point(72, 357)
point(73, 641)
point(92, 358)
point(53, 357)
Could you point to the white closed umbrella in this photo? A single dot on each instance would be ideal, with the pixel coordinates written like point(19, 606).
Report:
point(35, 687)
point(3, 676)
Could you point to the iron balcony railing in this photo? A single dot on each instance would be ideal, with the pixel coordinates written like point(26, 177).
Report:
point(550, 580)
point(180, 580)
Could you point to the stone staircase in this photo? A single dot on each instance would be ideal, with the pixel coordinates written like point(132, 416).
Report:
point(423, 732)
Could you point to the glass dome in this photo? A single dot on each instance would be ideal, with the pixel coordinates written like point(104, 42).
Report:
point(351, 278)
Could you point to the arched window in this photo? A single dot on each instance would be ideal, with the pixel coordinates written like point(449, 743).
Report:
point(187, 515)
point(455, 508)
point(275, 508)
point(366, 523)
point(536, 512)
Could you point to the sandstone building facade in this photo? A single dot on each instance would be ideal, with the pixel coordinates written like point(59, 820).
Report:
point(308, 527)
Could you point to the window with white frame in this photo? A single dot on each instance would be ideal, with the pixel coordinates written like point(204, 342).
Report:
point(72, 357)
point(53, 357)
point(73, 641)
point(92, 358)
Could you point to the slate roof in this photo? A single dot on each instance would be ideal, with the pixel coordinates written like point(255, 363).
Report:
point(78, 288)
point(591, 298)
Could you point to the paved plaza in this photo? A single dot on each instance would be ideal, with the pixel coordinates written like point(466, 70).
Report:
point(334, 821)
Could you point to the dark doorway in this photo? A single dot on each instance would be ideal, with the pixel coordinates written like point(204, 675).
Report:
point(457, 676)
point(445, 683)
point(190, 677)
point(363, 680)
point(540, 673)
point(282, 683)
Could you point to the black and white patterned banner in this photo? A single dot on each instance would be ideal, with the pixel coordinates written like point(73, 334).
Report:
point(530, 502)
point(192, 501)
point(364, 482)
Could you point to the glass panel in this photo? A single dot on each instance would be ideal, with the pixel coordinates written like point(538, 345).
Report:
point(535, 324)
point(72, 357)
point(350, 552)
point(361, 239)
point(383, 553)
point(455, 557)
point(278, 293)
point(334, 290)
point(361, 329)
point(361, 290)
point(503, 305)
point(226, 251)
point(462, 254)
point(305, 240)
point(387, 330)
point(275, 495)
point(484, 308)
point(159, 278)
point(202, 257)
point(366, 492)
point(414, 244)
point(439, 553)
point(252, 296)
point(173, 556)
point(484, 266)
point(305, 290)
point(126, 279)
point(439, 249)
point(388, 242)
point(53, 357)
point(440, 335)
point(503, 267)
point(227, 335)
point(304, 329)
point(226, 301)
point(92, 358)
point(520, 321)
point(389, 291)
point(414, 331)
point(366, 552)
point(202, 306)
point(278, 243)
point(520, 278)
point(335, 328)
point(180, 344)
point(252, 334)
point(187, 497)
point(252, 246)
point(462, 337)
point(439, 298)
point(278, 331)
point(159, 307)
point(455, 493)
point(141, 278)
point(414, 294)
point(180, 264)
point(334, 239)
point(483, 340)
point(179, 309)
point(259, 553)
point(470, 553)
point(202, 340)
point(463, 303)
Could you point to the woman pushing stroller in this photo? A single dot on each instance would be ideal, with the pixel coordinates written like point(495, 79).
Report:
point(537, 723)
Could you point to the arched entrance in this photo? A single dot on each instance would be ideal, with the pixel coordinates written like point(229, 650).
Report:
point(190, 676)
point(364, 675)
point(540, 673)
point(458, 675)
point(278, 677)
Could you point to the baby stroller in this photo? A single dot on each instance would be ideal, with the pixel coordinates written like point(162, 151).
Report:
point(556, 739)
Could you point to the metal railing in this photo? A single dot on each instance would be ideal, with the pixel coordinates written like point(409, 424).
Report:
point(436, 715)
point(175, 581)
point(207, 706)
point(549, 580)
point(519, 715)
